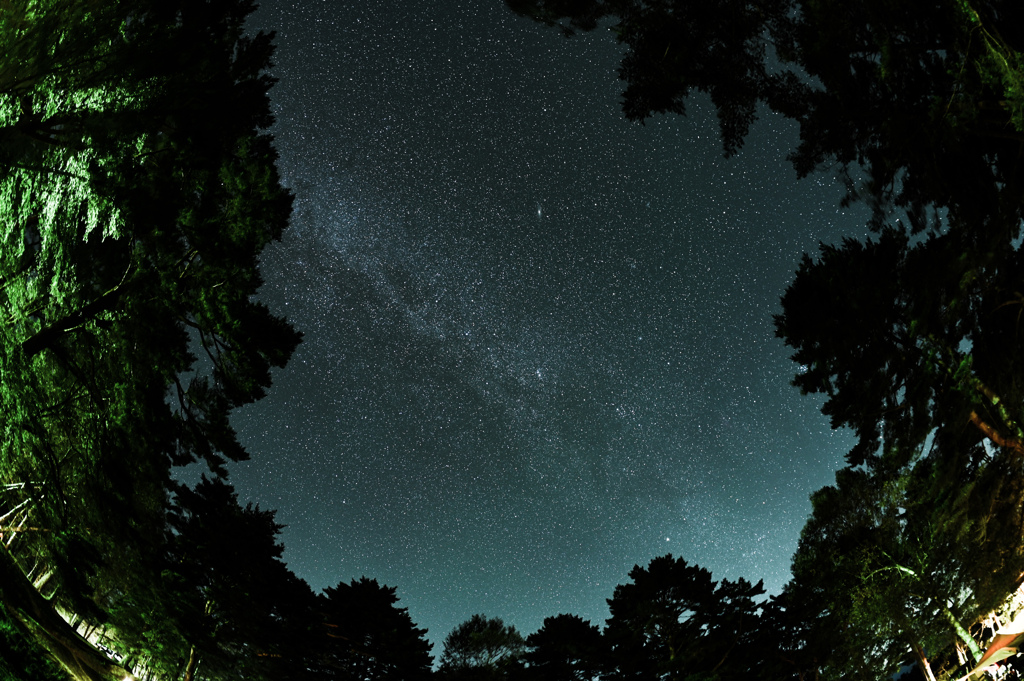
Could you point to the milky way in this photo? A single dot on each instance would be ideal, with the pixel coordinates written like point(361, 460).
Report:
point(538, 338)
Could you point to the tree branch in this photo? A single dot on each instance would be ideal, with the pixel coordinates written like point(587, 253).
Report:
point(45, 338)
point(994, 435)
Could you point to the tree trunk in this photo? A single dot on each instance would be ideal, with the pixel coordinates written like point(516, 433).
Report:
point(43, 623)
point(193, 662)
point(1017, 442)
point(963, 634)
point(42, 580)
point(922, 662)
point(45, 338)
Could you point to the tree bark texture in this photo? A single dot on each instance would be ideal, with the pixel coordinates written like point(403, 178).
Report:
point(193, 662)
point(963, 634)
point(922, 662)
point(41, 620)
point(995, 436)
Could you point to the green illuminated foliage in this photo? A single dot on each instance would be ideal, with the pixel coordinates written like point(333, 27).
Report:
point(137, 190)
point(21, 658)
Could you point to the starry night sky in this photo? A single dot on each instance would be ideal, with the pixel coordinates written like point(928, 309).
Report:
point(538, 338)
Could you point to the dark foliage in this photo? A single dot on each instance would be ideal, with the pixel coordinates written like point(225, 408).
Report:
point(368, 637)
point(482, 648)
point(565, 648)
point(672, 620)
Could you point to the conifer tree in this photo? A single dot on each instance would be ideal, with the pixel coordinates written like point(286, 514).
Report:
point(368, 637)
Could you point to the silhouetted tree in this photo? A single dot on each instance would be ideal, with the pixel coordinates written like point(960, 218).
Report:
point(794, 639)
point(482, 648)
point(565, 648)
point(237, 605)
point(923, 365)
point(673, 621)
point(912, 336)
point(925, 96)
point(369, 638)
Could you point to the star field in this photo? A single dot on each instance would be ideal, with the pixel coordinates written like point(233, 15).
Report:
point(538, 338)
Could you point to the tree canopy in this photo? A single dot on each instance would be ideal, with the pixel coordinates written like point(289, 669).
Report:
point(565, 648)
point(482, 648)
point(672, 620)
point(137, 189)
point(912, 335)
point(924, 96)
point(370, 637)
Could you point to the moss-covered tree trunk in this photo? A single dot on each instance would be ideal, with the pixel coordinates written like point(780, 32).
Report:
point(963, 634)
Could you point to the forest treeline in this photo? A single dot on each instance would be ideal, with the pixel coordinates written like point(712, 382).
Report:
point(138, 187)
